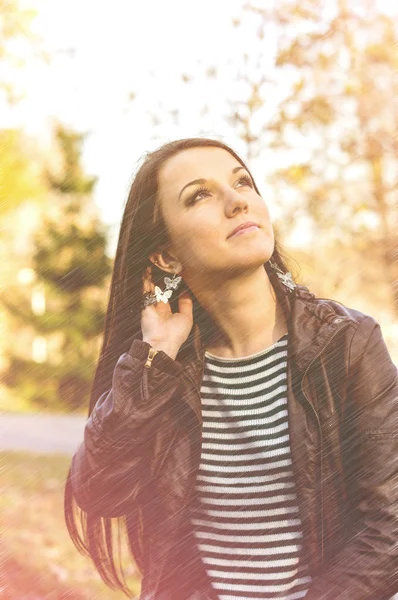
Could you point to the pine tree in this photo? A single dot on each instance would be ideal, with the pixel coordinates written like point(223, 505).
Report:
point(65, 315)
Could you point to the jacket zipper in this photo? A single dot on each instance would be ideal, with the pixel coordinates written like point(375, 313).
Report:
point(197, 389)
point(320, 430)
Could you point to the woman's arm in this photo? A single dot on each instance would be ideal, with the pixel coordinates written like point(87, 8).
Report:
point(367, 567)
point(112, 464)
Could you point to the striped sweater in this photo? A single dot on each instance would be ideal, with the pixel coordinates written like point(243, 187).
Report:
point(246, 519)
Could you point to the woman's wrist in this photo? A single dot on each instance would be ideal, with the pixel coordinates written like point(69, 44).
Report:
point(167, 348)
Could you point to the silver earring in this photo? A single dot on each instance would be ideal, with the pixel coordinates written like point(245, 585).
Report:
point(286, 278)
point(159, 296)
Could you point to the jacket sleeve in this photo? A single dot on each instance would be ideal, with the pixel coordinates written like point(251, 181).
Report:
point(367, 566)
point(111, 465)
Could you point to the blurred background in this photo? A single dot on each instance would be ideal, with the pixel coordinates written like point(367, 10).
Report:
point(306, 92)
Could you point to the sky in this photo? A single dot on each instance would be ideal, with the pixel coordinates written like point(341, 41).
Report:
point(102, 53)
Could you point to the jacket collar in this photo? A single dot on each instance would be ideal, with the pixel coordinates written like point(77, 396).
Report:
point(310, 320)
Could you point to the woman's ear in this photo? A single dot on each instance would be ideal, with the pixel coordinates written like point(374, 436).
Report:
point(167, 262)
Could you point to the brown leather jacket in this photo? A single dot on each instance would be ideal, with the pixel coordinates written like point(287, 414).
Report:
point(144, 435)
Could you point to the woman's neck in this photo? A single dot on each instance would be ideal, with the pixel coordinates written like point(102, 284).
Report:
point(247, 321)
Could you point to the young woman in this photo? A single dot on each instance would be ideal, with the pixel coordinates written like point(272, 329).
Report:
point(241, 430)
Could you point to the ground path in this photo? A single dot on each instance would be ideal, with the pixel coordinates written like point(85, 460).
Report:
point(41, 432)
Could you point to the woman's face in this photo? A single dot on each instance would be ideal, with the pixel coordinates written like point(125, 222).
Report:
point(200, 221)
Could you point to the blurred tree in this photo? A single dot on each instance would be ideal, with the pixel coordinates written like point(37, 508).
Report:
point(65, 310)
point(18, 45)
point(19, 169)
point(333, 132)
point(20, 173)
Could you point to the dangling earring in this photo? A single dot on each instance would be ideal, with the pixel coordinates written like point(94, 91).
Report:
point(159, 296)
point(286, 278)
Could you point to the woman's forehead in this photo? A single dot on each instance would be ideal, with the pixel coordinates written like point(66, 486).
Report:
point(195, 163)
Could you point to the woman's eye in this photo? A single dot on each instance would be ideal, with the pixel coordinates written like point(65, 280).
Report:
point(247, 180)
point(199, 192)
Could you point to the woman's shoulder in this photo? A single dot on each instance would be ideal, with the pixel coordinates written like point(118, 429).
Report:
point(330, 308)
point(365, 333)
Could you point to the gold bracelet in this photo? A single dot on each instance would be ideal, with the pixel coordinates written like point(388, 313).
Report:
point(151, 355)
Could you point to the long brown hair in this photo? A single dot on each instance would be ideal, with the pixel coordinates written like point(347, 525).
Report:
point(142, 232)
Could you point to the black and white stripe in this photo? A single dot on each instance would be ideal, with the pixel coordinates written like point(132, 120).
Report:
point(246, 520)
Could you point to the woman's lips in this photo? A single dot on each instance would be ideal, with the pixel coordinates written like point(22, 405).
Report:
point(245, 230)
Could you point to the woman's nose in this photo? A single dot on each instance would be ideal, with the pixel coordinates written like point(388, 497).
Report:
point(235, 200)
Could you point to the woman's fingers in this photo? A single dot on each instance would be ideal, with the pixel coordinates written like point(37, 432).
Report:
point(185, 304)
point(147, 285)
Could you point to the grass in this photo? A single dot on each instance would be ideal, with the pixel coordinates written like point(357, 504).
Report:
point(39, 560)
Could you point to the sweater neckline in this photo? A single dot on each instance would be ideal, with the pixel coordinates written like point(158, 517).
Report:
point(249, 356)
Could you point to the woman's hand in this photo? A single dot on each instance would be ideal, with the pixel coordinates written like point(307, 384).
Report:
point(162, 328)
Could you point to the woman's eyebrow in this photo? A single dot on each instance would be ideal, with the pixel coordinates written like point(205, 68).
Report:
point(199, 181)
